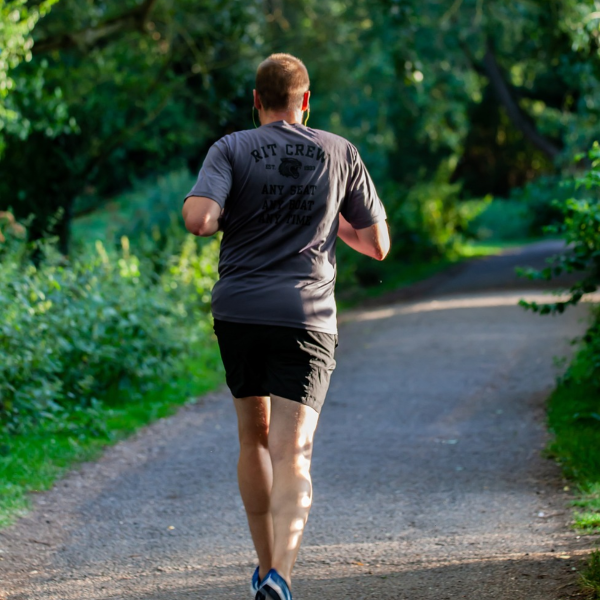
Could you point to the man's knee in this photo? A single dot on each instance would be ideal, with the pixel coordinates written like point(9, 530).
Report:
point(290, 451)
point(254, 439)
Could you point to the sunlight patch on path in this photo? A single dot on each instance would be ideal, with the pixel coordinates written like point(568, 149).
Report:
point(457, 302)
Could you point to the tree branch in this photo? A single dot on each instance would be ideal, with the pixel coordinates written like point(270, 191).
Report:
point(552, 93)
point(133, 20)
point(553, 97)
point(519, 118)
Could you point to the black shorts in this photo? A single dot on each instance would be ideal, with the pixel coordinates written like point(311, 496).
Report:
point(261, 360)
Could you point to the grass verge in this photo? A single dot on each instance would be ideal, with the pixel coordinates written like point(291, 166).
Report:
point(574, 419)
point(590, 578)
point(33, 462)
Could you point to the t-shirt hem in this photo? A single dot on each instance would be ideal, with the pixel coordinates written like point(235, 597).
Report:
point(369, 222)
point(279, 322)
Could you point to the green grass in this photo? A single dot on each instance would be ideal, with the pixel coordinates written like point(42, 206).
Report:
point(590, 578)
point(487, 247)
point(33, 462)
point(576, 445)
point(574, 419)
point(577, 433)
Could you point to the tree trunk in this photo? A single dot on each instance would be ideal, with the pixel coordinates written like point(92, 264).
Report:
point(519, 118)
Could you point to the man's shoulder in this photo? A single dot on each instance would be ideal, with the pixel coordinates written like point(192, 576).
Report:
point(232, 143)
point(337, 148)
point(231, 138)
point(332, 143)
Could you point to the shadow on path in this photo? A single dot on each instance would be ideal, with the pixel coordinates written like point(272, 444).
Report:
point(537, 578)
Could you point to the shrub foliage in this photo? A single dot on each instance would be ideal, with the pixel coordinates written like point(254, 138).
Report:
point(580, 228)
point(73, 329)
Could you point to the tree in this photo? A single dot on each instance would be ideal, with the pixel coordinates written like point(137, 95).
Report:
point(144, 86)
point(16, 25)
point(491, 94)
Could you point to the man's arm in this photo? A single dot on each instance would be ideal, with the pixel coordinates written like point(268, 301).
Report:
point(374, 241)
point(201, 215)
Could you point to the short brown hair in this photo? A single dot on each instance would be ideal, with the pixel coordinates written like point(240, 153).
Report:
point(281, 81)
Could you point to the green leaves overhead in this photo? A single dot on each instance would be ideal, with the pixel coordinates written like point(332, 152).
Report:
point(117, 91)
point(16, 25)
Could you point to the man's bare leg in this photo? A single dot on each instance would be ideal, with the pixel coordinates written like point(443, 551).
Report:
point(255, 474)
point(291, 434)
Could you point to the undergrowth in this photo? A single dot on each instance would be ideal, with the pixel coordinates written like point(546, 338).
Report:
point(33, 462)
point(574, 419)
point(590, 578)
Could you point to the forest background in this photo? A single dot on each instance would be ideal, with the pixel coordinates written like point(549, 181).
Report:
point(474, 118)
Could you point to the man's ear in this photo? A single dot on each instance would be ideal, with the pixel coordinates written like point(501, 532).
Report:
point(305, 101)
point(257, 102)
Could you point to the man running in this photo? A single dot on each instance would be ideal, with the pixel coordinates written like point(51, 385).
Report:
point(281, 193)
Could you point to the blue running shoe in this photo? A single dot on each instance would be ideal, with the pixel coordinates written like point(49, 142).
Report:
point(274, 587)
point(255, 585)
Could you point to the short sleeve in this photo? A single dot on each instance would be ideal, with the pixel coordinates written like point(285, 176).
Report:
point(214, 179)
point(362, 206)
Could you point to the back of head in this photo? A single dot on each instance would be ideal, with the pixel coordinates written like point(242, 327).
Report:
point(281, 81)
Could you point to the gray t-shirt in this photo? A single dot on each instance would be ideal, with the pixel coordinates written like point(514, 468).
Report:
point(282, 187)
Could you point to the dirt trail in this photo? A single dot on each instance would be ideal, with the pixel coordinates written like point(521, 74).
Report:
point(428, 474)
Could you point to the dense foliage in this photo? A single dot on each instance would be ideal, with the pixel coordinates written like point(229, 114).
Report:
point(17, 21)
point(71, 331)
point(579, 227)
point(485, 96)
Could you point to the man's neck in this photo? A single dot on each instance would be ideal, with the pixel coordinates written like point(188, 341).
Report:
point(291, 117)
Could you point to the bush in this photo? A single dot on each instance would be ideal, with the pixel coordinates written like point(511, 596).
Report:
point(149, 216)
point(527, 213)
point(427, 223)
point(432, 212)
point(541, 200)
point(580, 228)
point(432, 220)
point(71, 330)
point(502, 220)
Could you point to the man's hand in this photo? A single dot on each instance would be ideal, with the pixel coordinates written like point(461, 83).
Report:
point(201, 216)
point(374, 241)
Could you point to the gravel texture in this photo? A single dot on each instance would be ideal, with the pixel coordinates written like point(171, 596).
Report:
point(429, 478)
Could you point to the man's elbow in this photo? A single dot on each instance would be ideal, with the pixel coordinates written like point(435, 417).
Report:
point(193, 227)
point(206, 231)
point(200, 227)
point(381, 250)
point(380, 253)
point(380, 242)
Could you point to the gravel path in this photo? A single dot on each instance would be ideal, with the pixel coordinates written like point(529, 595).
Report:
point(428, 474)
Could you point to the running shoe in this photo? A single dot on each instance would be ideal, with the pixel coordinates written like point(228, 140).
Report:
point(274, 587)
point(255, 585)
